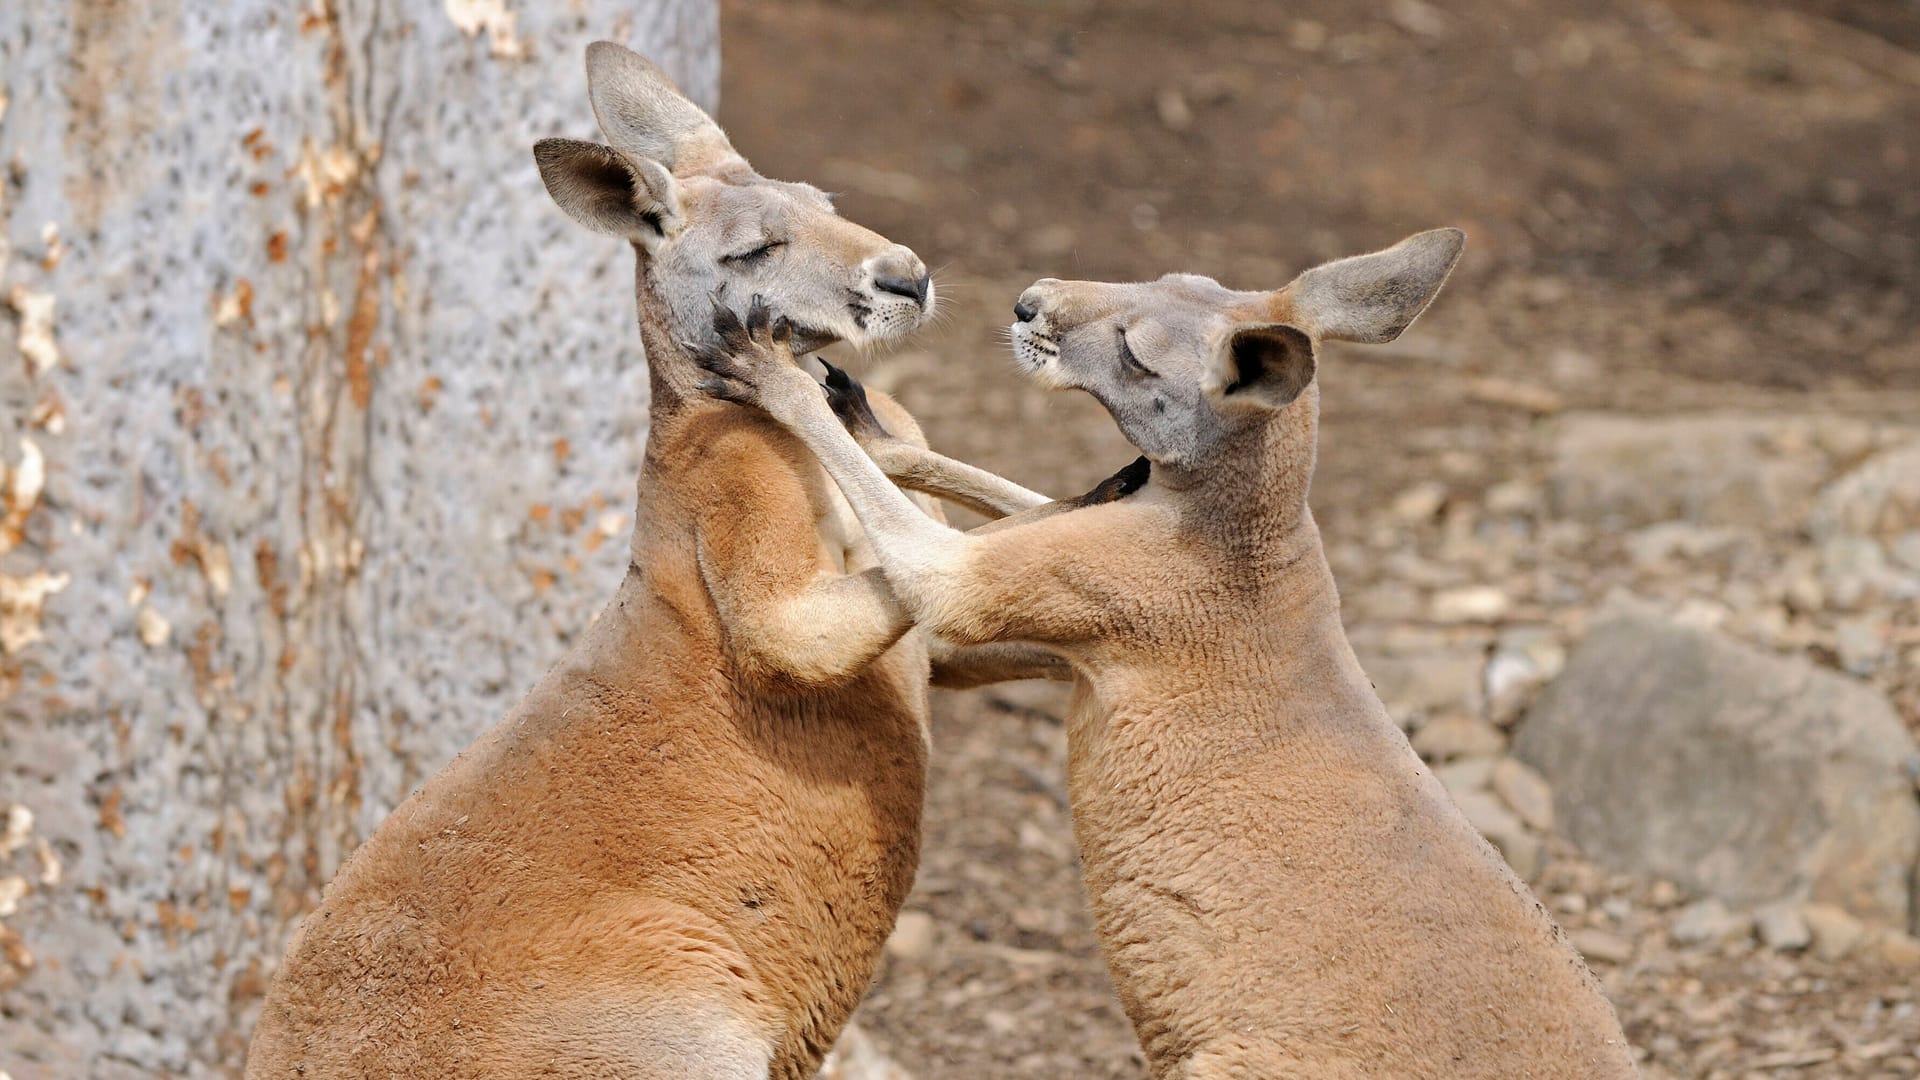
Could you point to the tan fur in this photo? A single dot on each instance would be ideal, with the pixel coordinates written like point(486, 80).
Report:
point(680, 854)
point(1282, 888)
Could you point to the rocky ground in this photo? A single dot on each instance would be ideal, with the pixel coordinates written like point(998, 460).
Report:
point(1676, 382)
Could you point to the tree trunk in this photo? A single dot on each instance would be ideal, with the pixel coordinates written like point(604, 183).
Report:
point(321, 426)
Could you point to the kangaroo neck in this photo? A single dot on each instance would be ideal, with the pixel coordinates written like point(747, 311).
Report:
point(673, 379)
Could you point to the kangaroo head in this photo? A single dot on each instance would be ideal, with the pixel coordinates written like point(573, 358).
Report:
point(708, 228)
point(1184, 364)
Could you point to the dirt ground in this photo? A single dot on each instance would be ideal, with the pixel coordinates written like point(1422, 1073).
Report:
point(1696, 205)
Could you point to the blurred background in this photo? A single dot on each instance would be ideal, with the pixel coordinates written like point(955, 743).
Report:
point(324, 425)
point(1627, 527)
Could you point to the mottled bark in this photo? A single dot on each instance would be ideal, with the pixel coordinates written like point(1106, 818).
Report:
point(338, 420)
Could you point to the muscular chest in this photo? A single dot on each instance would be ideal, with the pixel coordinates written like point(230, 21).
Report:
point(842, 544)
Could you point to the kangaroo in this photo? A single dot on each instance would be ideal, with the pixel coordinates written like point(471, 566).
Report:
point(1282, 889)
point(680, 855)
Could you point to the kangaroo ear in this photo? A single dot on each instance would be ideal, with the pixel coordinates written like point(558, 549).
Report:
point(644, 115)
point(1261, 365)
point(610, 192)
point(1372, 298)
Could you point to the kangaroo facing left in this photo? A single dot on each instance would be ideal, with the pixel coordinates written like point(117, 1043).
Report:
point(680, 855)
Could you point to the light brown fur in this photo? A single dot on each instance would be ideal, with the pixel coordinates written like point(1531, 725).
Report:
point(1281, 887)
point(680, 854)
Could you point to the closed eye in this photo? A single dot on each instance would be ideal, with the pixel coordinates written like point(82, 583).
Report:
point(1133, 362)
point(749, 258)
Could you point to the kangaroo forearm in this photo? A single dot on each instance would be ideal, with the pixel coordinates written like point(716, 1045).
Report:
point(823, 635)
point(902, 536)
point(960, 667)
point(918, 469)
point(969, 589)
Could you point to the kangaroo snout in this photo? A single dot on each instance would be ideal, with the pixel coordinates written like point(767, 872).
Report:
point(900, 272)
point(1038, 300)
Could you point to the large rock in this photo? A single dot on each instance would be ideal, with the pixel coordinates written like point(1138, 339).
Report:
point(1677, 753)
point(1880, 496)
point(1718, 469)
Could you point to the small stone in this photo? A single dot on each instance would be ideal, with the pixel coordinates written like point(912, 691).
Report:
point(1511, 680)
point(1463, 777)
point(1602, 945)
point(1524, 852)
point(856, 1057)
point(1861, 644)
point(1419, 503)
point(1905, 550)
point(1032, 919)
point(1617, 908)
point(1782, 927)
point(1426, 683)
point(1852, 568)
point(1473, 603)
point(1487, 814)
point(1539, 644)
point(1835, 932)
point(1706, 921)
point(912, 937)
point(1526, 792)
point(1509, 394)
point(1701, 613)
point(1513, 497)
point(1898, 950)
point(1663, 894)
point(1451, 737)
point(1805, 594)
point(1175, 114)
point(1052, 842)
point(1418, 18)
point(1491, 819)
point(1666, 541)
point(1568, 365)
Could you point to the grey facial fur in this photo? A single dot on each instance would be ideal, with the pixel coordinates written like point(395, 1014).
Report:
point(1184, 363)
point(711, 228)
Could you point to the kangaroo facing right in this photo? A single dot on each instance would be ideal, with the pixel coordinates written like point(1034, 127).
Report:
point(1282, 888)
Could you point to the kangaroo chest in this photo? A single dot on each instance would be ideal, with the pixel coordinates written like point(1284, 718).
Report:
point(843, 544)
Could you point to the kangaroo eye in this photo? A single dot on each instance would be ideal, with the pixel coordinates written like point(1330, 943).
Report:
point(759, 254)
point(1133, 362)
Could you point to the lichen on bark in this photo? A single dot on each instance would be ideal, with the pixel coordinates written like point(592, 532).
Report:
point(290, 343)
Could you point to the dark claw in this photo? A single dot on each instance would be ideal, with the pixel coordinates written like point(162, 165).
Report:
point(728, 326)
point(782, 331)
point(1118, 486)
point(849, 401)
point(758, 316)
point(708, 357)
point(725, 391)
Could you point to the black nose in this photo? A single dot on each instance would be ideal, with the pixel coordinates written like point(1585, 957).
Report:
point(914, 289)
point(1025, 311)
